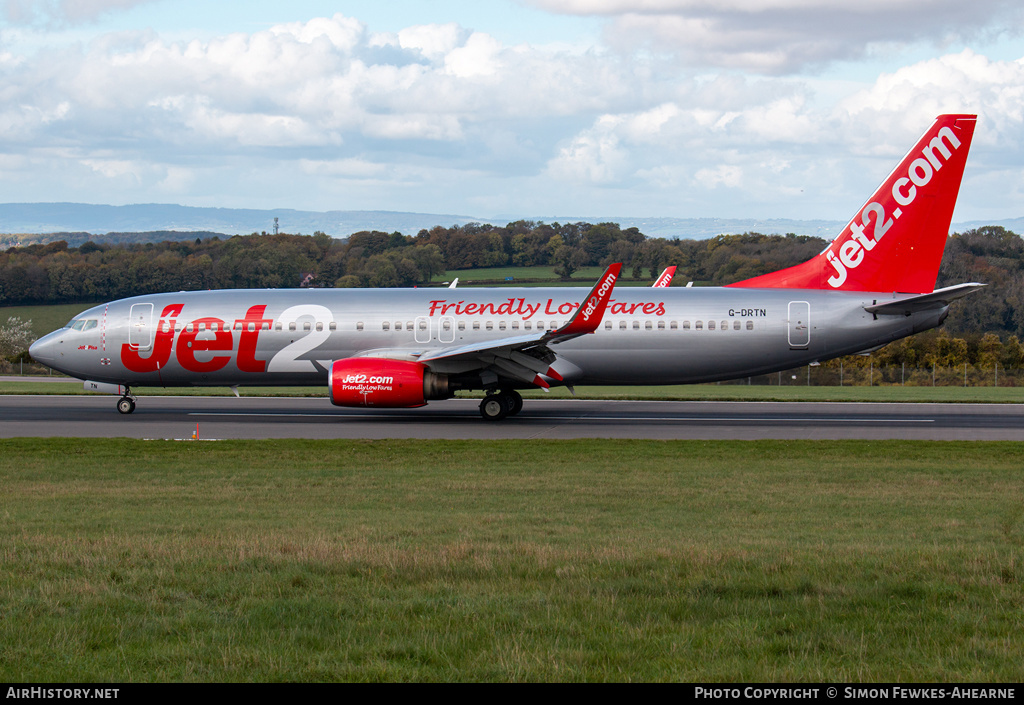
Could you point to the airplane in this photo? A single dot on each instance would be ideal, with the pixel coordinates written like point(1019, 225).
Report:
point(401, 348)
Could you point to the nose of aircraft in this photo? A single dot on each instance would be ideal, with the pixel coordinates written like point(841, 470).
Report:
point(43, 350)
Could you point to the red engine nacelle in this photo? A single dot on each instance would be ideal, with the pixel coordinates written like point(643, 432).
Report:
point(377, 381)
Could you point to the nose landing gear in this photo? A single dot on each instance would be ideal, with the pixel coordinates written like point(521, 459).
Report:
point(126, 404)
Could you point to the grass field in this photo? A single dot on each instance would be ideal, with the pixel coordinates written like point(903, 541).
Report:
point(593, 560)
point(44, 318)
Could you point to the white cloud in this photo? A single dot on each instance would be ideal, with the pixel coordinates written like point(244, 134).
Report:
point(63, 12)
point(956, 83)
point(479, 56)
point(594, 155)
point(784, 36)
point(441, 118)
point(433, 40)
point(723, 175)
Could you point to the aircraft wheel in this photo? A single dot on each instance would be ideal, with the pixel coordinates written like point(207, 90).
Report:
point(494, 407)
point(513, 402)
point(125, 405)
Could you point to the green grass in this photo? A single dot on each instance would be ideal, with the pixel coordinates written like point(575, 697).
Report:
point(44, 318)
point(437, 560)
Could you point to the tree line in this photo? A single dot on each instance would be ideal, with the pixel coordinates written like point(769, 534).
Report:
point(92, 272)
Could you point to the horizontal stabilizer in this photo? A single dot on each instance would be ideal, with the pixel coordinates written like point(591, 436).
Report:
point(923, 302)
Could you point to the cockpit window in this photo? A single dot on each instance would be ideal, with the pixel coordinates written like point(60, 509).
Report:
point(82, 324)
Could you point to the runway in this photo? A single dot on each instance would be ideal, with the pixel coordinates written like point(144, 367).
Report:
point(250, 417)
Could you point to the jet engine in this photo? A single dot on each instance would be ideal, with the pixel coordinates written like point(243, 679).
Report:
point(378, 381)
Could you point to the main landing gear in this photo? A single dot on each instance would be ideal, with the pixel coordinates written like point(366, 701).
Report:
point(495, 407)
point(126, 404)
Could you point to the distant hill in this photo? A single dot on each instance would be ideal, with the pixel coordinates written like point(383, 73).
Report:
point(78, 223)
point(79, 239)
point(37, 218)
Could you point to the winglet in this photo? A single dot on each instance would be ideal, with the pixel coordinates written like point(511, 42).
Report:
point(591, 311)
point(665, 278)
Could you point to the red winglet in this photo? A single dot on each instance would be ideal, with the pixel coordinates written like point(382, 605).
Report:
point(665, 278)
point(591, 311)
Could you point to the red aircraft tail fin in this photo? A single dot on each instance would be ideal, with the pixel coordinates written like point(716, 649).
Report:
point(895, 242)
point(665, 278)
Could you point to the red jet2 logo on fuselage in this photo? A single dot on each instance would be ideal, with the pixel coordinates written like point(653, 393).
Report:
point(189, 344)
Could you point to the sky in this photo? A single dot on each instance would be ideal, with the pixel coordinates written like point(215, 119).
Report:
point(506, 108)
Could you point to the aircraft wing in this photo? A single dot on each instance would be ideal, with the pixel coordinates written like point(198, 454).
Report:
point(936, 299)
point(524, 357)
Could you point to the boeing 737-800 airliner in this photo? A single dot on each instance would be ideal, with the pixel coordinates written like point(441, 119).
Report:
point(404, 347)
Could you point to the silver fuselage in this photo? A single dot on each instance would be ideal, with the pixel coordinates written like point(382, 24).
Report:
point(291, 337)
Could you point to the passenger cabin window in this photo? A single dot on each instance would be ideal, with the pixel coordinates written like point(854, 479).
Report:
point(711, 325)
point(515, 325)
point(636, 325)
point(386, 325)
point(359, 325)
point(735, 325)
point(750, 325)
point(607, 325)
point(698, 325)
point(462, 325)
point(333, 326)
point(725, 325)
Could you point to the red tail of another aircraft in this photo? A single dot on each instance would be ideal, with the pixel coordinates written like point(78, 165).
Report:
point(895, 242)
